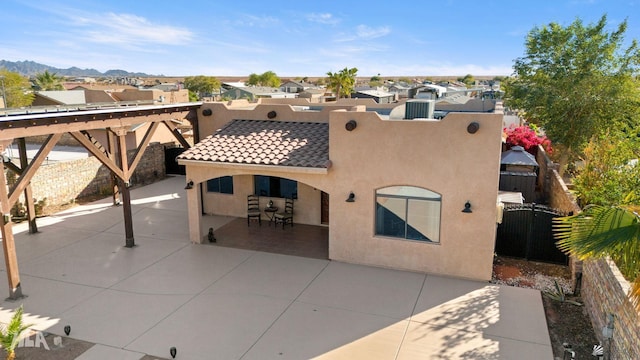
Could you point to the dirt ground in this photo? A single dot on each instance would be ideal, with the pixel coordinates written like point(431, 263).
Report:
point(567, 323)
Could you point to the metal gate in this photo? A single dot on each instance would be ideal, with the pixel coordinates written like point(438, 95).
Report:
point(526, 232)
point(171, 165)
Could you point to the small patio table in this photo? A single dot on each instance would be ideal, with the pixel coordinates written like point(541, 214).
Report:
point(270, 212)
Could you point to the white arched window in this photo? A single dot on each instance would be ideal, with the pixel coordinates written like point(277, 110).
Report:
point(408, 212)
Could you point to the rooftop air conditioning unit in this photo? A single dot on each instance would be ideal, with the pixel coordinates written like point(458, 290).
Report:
point(419, 109)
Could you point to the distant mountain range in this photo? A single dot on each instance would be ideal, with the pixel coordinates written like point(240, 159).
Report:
point(29, 68)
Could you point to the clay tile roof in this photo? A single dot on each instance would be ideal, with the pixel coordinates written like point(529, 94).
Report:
point(300, 144)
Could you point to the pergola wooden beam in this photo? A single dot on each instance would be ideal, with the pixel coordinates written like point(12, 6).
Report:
point(30, 170)
point(141, 148)
point(98, 153)
point(13, 167)
point(176, 133)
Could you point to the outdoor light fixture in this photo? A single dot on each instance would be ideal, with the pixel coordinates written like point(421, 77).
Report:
point(173, 351)
point(473, 127)
point(189, 185)
point(207, 112)
point(467, 208)
point(350, 125)
point(67, 330)
point(607, 331)
point(351, 198)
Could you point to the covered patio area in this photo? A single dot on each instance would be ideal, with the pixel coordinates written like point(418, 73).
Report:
point(300, 240)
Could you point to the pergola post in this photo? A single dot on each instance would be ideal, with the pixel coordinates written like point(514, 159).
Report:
point(124, 186)
point(111, 148)
point(28, 192)
point(8, 241)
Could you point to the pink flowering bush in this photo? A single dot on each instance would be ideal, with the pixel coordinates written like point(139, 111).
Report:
point(527, 138)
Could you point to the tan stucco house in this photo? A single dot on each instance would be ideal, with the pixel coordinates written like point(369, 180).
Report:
point(409, 180)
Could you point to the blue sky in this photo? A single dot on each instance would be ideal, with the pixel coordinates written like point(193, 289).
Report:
point(291, 38)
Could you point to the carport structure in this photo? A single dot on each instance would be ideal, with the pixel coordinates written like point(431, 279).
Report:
point(115, 121)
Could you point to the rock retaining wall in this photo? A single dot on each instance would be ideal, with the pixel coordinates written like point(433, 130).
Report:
point(605, 291)
point(59, 183)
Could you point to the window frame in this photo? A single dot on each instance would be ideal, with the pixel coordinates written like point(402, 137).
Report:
point(433, 197)
point(211, 186)
point(275, 186)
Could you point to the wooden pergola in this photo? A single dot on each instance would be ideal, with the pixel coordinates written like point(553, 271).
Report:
point(115, 121)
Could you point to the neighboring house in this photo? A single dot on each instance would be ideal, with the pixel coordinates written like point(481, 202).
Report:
point(427, 91)
point(59, 97)
point(81, 95)
point(381, 97)
point(296, 87)
point(233, 84)
point(401, 91)
point(103, 87)
point(255, 92)
point(166, 87)
point(409, 180)
point(153, 96)
point(314, 95)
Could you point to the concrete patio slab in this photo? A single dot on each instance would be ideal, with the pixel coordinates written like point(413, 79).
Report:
point(117, 318)
point(46, 300)
point(97, 217)
point(271, 275)
point(189, 270)
point(47, 240)
point(158, 224)
point(101, 352)
point(425, 341)
point(213, 326)
point(366, 289)
point(309, 331)
point(100, 260)
point(215, 302)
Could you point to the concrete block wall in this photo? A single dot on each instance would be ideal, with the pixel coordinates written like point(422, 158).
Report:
point(604, 292)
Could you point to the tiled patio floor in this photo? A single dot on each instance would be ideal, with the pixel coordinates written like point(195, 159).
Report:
point(299, 240)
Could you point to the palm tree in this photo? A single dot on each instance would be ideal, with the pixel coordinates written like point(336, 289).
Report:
point(342, 82)
point(601, 231)
point(10, 334)
point(48, 81)
point(333, 82)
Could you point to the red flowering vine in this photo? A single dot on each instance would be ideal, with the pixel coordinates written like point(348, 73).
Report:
point(527, 138)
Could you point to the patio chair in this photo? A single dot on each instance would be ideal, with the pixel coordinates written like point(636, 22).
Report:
point(287, 215)
point(253, 209)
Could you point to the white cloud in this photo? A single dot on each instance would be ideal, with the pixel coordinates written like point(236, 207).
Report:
point(366, 32)
point(323, 18)
point(363, 32)
point(256, 21)
point(131, 29)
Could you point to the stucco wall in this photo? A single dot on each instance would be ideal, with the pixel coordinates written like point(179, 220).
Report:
point(437, 155)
